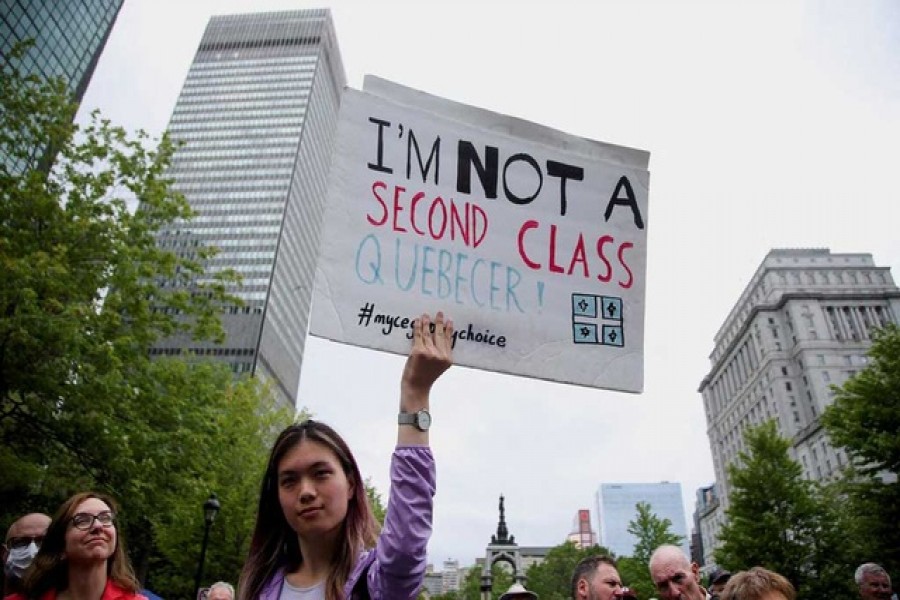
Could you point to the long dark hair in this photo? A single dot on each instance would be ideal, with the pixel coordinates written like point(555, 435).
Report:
point(274, 544)
point(50, 569)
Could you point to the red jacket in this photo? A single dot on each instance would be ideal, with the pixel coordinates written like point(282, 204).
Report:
point(112, 591)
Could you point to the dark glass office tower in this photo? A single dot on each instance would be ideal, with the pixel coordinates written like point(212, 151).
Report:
point(69, 36)
point(257, 115)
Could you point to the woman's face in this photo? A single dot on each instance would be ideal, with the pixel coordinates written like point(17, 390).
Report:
point(95, 543)
point(313, 490)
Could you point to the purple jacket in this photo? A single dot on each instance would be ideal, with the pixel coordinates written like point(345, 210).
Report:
point(396, 566)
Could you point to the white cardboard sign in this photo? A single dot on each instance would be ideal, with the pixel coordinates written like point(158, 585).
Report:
point(534, 241)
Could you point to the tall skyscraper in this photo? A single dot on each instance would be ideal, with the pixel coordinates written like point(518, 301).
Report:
point(257, 115)
point(616, 508)
point(69, 37)
point(802, 324)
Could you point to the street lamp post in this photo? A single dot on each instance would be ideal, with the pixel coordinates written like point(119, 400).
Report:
point(210, 509)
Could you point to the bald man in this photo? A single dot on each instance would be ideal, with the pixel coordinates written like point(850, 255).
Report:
point(22, 542)
point(674, 575)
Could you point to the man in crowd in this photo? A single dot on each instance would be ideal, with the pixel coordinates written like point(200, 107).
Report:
point(717, 580)
point(873, 581)
point(517, 591)
point(597, 578)
point(22, 542)
point(220, 590)
point(674, 575)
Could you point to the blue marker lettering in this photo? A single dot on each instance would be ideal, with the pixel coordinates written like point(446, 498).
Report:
point(374, 266)
point(412, 271)
point(426, 252)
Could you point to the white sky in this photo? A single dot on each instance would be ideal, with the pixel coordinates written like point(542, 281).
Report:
point(770, 124)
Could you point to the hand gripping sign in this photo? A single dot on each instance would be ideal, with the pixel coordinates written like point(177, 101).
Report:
point(533, 240)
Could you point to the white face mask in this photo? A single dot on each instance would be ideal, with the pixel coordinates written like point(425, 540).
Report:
point(19, 559)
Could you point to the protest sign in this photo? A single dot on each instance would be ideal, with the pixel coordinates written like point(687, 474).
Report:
point(534, 241)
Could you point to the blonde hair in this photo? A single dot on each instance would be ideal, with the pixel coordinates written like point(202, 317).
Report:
point(755, 584)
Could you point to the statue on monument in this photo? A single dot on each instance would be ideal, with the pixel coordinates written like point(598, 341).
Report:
point(502, 536)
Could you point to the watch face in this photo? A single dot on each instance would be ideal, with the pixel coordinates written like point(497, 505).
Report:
point(423, 420)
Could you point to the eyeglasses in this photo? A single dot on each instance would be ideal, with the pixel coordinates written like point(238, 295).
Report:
point(24, 542)
point(85, 521)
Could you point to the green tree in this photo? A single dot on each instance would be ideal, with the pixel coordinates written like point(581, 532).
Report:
point(551, 579)
point(82, 406)
point(651, 533)
point(865, 419)
point(779, 520)
point(471, 585)
point(636, 575)
point(375, 501)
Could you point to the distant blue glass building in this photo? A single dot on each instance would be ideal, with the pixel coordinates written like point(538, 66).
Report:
point(69, 36)
point(616, 508)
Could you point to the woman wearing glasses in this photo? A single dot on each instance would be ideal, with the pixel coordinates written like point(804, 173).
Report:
point(315, 532)
point(82, 556)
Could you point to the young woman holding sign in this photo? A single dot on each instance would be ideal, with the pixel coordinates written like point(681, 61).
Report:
point(315, 536)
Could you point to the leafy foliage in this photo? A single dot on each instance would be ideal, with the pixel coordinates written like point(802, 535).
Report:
point(636, 575)
point(779, 520)
point(865, 415)
point(82, 406)
point(552, 578)
point(471, 585)
point(865, 419)
point(651, 533)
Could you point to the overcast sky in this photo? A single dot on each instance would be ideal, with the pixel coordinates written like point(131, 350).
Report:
point(770, 124)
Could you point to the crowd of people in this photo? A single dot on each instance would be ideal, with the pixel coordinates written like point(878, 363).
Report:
point(316, 538)
point(675, 577)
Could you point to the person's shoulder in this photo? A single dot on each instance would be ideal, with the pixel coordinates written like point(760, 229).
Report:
point(114, 591)
point(48, 595)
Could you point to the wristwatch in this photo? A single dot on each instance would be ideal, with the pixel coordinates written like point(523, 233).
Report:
point(421, 420)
